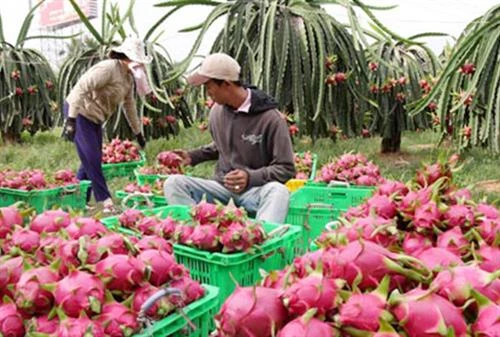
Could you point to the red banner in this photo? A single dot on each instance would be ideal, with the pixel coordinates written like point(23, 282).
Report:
point(60, 13)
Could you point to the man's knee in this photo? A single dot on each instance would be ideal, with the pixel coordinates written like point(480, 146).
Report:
point(276, 189)
point(175, 181)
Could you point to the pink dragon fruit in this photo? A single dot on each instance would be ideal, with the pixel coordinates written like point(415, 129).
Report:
point(166, 228)
point(113, 243)
point(413, 200)
point(489, 229)
point(120, 272)
point(386, 330)
point(413, 243)
point(11, 321)
point(366, 180)
point(43, 324)
point(154, 242)
point(74, 253)
point(240, 237)
point(205, 213)
point(279, 279)
point(251, 311)
point(9, 217)
point(30, 295)
point(183, 233)
point(191, 290)
point(392, 188)
point(11, 270)
point(302, 176)
point(457, 283)
point(50, 221)
point(454, 241)
point(81, 327)
point(230, 213)
point(79, 292)
point(147, 225)
point(383, 206)
point(160, 309)
point(130, 217)
point(427, 216)
point(364, 311)
point(360, 211)
point(48, 249)
point(431, 173)
point(459, 215)
point(118, 320)
point(489, 211)
point(162, 266)
point(313, 291)
point(373, 228)
point(367, 263)
point(489, 258)
point(205, 237)
point(435, 258)
point(23, 239)
point(460, 195)
point(308, 262)
point(422, 314)
point(81, 226)
point(487, 323)
point(307, 326)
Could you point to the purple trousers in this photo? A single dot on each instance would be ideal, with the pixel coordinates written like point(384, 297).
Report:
point(88, 141)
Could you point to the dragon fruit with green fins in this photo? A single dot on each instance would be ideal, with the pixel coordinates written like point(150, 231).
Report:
point(31, 296)
point(230, 213)
point(11, 269)
point(382, 205)
point(278, 279)
point(414, 243)
point(488, 211)
point(191, 290)
point(489, 230)
point(427, 216)
point(48, 248)
point(454, 241)
point(459, 215)
point(118, 320)
point(307, 326)
point(422, 313)
point(22, 240)
point(386, 330)
point(457, 283)
point(120, 272)
point(166, 228)
point(75, 253)
point(113, 243)
point(50, 221)
point(161, 266)
point(160, 309)
point(313, 291)
point(392, 188)
point(487, 323)
point(250, 312)
point(205, 237)
point(79, 292)
point(90, 227)
point(9, 217)
point(154, 242)
point(80, 327)
point(43, 324)
point(147, 225)
point(11, 321)
point(489, 258)
point(182, 233)
point(205, 212)
point(130, 217)
point(436, 258)
point(363, 311)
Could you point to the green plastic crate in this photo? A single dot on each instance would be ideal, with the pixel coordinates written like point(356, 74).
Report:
point(67, 197)
point(200, 313)
point(143, 179)
point(140, 202)
point(220, 269)
point(123, 169)
point(313, 206)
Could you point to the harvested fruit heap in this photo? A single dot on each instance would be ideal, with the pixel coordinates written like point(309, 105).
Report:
point(157, 189)
point(214, 228)
point(169, 162)
point(95, 287)
point(28, 180)
point(416, 260)
point(120, 151)
point(303, 165)
point(351, 168)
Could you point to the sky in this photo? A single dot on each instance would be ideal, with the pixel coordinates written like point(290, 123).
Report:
point(409, 18)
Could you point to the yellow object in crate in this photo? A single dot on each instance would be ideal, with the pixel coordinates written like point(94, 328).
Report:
point(295, 184)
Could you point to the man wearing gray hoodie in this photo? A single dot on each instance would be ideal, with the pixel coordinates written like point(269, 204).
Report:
point(250, 143)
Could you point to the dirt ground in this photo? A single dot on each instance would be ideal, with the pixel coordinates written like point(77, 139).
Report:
point(489, 186)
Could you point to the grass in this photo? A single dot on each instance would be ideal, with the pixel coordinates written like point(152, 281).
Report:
point(49, 152)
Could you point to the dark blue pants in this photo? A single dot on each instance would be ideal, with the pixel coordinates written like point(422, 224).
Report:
point(88, 141)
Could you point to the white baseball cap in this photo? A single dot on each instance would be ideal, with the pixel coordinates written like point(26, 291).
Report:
point(218, 66)
point(133, 48)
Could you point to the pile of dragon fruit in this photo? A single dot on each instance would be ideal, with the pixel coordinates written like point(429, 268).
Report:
point(70, 276)
point(351, 168)
point(303, 165)
point(156, 189)
point(416, 260)
point(169, 162)
point(214, 228)
point(28, 180)
point(120, 151)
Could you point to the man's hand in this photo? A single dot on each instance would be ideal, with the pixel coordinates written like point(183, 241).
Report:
point(140, 140)
point(70, 129)
point(186, 158)
point(236, 181)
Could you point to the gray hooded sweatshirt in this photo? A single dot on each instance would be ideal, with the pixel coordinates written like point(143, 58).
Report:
point(257, 142)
